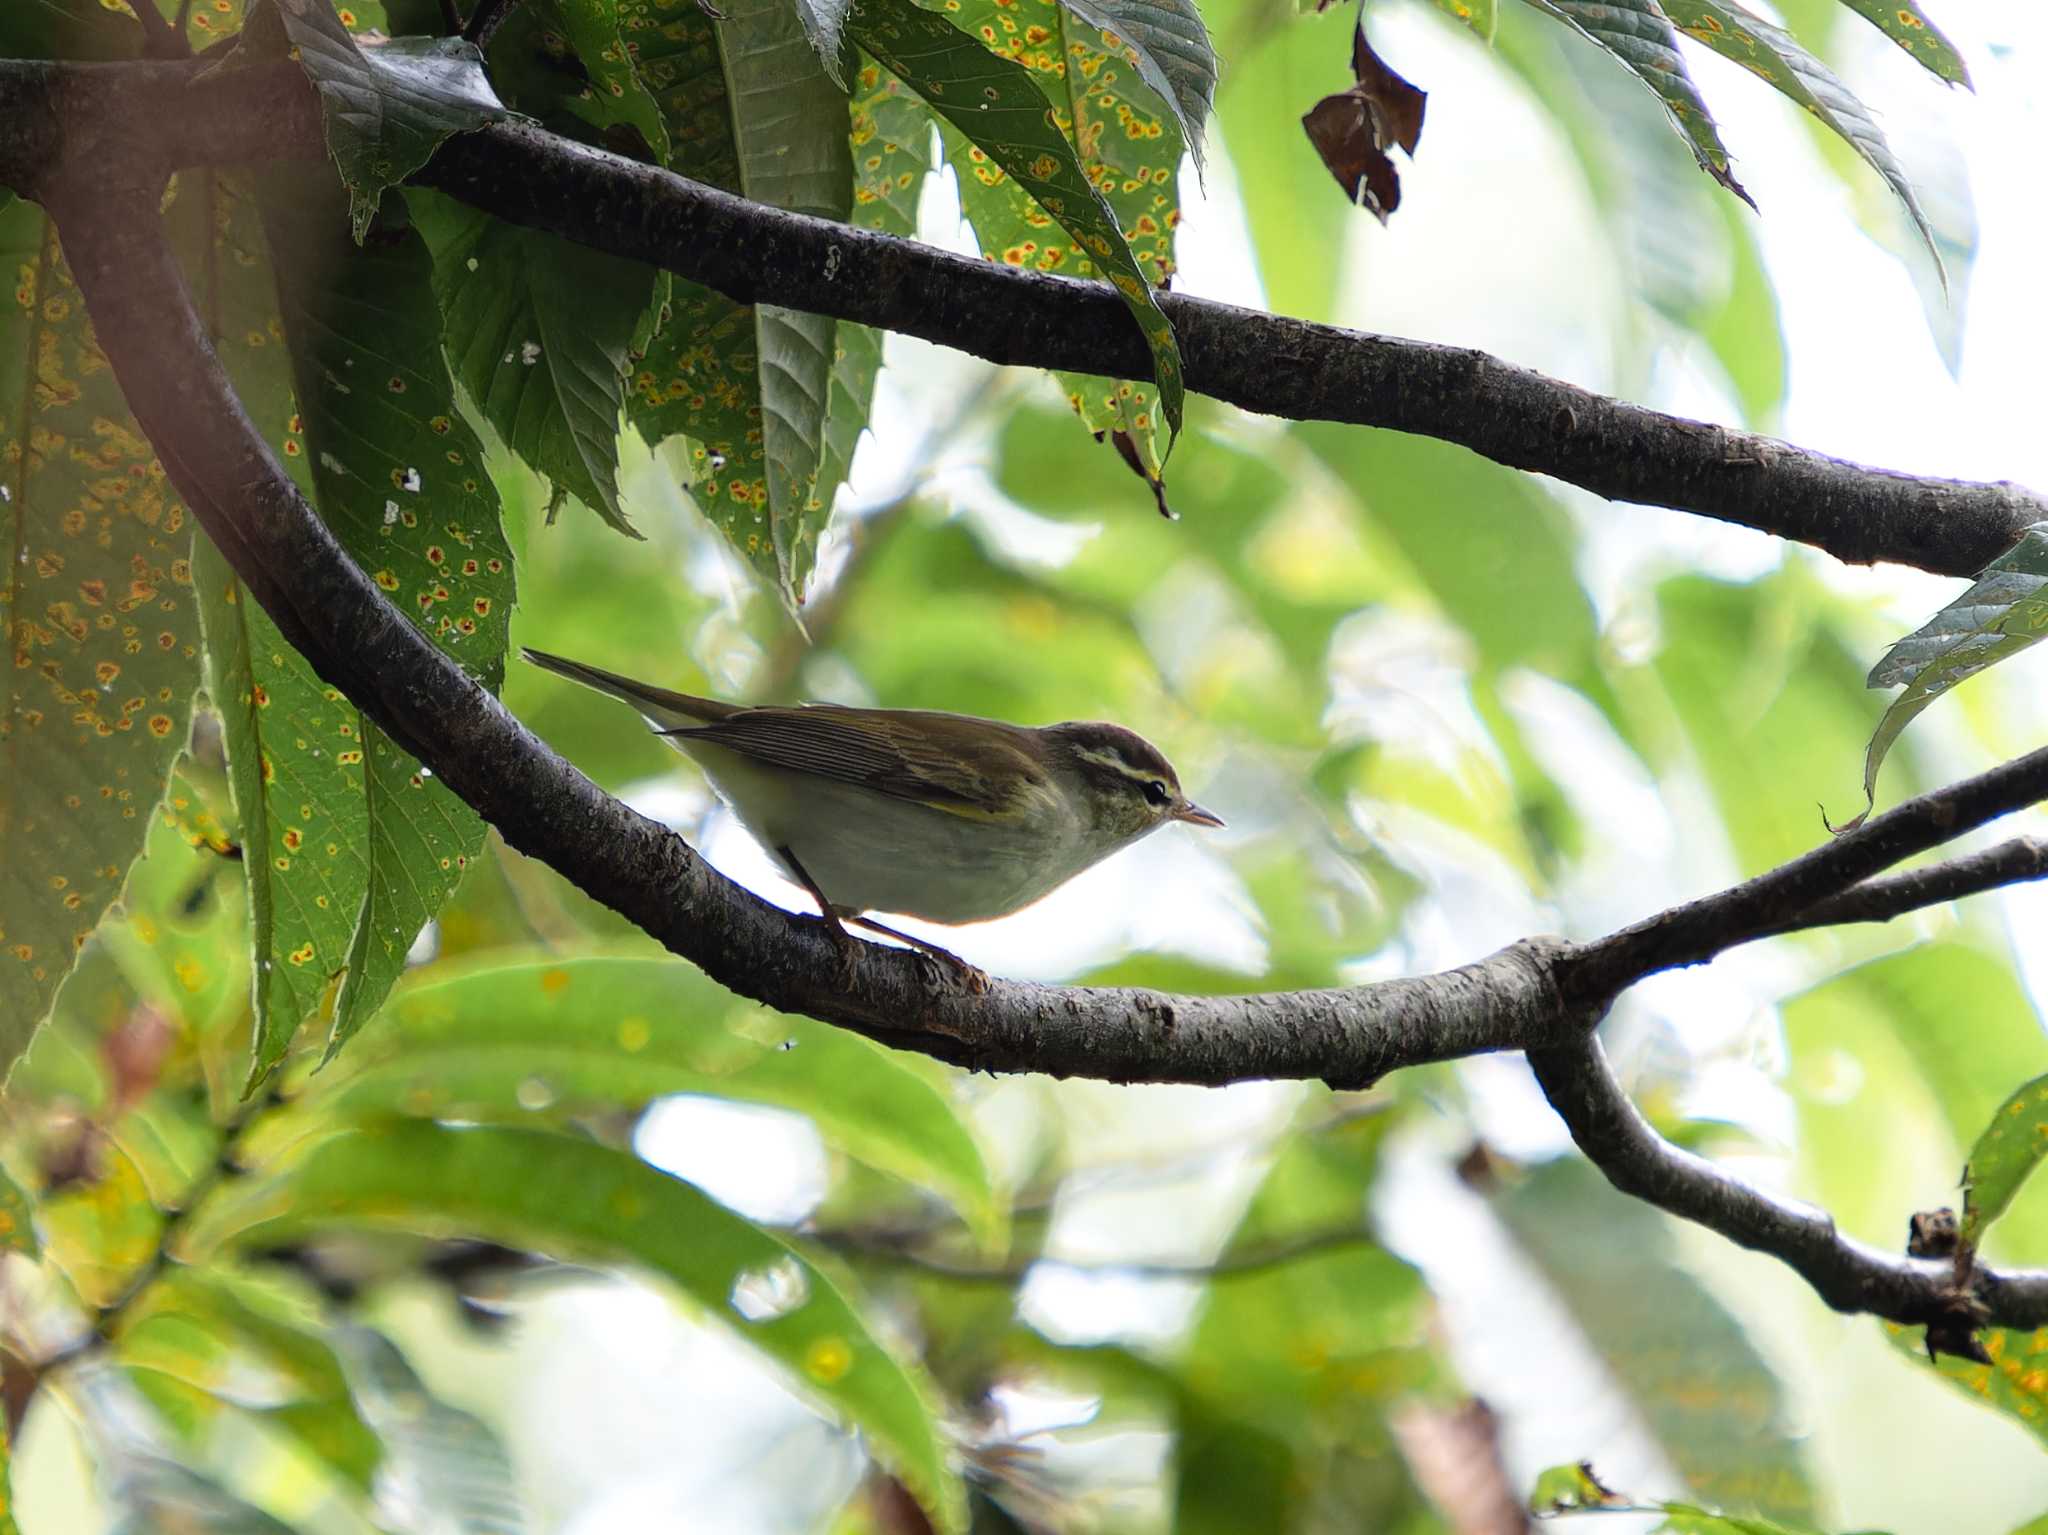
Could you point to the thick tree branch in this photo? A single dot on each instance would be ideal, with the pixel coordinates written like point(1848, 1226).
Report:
point(1539, 995)
point(1265, 363)
point(1845, 1273)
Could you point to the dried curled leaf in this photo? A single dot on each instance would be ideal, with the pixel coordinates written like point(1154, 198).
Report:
point(1354, 129)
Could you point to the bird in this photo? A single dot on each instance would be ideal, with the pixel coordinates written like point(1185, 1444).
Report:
point(915, 812)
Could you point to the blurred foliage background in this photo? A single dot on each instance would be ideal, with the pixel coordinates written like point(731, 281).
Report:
point(570, 1240)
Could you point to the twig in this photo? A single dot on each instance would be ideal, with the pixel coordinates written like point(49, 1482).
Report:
point(1880, 900)
point(1845, 1273)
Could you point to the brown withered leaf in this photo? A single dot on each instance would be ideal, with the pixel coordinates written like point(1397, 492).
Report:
point(1354, 129)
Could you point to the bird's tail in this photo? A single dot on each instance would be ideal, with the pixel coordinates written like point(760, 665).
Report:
point(667, 710)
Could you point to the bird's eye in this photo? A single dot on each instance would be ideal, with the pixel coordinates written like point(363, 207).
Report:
point(1155, 792)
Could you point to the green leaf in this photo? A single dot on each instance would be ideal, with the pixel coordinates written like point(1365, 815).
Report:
point(389, 106)
point(1776, 56)
point(66, 29)
point(2007, 1151)
point(566, 64)
point(1638, 33)
point(102, 629)
point(750, 385)
point(398, 475)
point(997, 104)
point(1905, 23)
point(2014, 1383)
point(2003, 612)
point(573, 1036)
point(537, 330)
point(17, 1219)
point(350, 849)
point(1688, 1366)
point(1127, 148)
point(1168, 44)
point(207, 1328)
point(577, 1200)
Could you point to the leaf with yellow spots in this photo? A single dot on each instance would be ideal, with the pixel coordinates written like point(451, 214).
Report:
point(2007, 1151)
point(398, 474)
point(575, 1199)
point(891, 139)
point(348, 849)
point(562, 1039)
point(388, 106)
point(2014, 1382)
point(101, 625)
point(1906, 24)
point(1638, 34)
point(537, 329)
point(987, 80)
point(1167, 43)
point(1129, 147)
point(565, 64)
point(1778, 58)
point(750, 385)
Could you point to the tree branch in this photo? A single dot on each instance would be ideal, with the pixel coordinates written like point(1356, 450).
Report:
point(1262, 362)
point(1880, 900)
point(1845, 1273)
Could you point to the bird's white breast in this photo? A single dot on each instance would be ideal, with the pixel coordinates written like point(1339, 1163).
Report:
point(872, 852)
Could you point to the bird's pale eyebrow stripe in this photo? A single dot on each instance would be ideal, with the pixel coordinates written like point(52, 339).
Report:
point(1115, 761)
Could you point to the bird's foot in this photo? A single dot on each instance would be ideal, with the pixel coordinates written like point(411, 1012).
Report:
point(972, 978)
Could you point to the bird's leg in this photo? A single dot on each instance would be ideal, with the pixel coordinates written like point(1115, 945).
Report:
point(975, 979)
point(847, 945)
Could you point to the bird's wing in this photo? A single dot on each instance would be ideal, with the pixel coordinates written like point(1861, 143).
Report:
point(893, 752)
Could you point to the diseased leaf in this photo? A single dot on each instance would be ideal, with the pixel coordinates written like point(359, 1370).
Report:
point(1169, 46)
point(398, 475)
point(349, 847)
point(101, 625)
point(2007, 1151)
point(2012, 1379)
point(537, 330)
point(1354, 129)
point(1775, 55)
point(387, 106)
point(995, 101)
point(749, 385)
point(2004, 612)
point(1128, 148)
point(578, 1200)
point(1905, 23)
point(1638, 33)
point(824, 23)
point(565, 63)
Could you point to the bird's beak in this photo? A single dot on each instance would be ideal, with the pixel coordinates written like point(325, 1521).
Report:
point(1195, 815)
